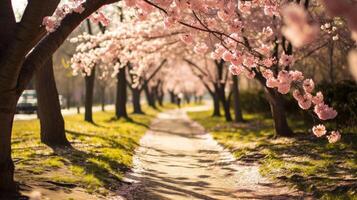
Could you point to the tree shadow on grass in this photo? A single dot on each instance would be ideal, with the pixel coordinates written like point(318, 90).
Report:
point(309, 163)
point(83, 160)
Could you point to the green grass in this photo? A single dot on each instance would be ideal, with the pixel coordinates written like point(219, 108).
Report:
point(328, 171)
point(101, 155)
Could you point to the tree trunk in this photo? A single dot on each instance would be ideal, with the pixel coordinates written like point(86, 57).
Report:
point(227, 111)
point(120, 104)
point(216, 108)
point(172, 97)
point(88, 104)
point(7, 182)
point(238, 116)
point(160, 99)
point(136, 101)
point(49, 108)
point(102, 98)
point(7, 111)
point(225, 103)
point(278, 111)
point(149, 97)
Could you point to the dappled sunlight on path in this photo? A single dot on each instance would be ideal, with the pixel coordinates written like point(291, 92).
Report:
point(178, 160)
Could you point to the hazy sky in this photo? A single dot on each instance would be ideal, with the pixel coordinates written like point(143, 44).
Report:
point(19, 6)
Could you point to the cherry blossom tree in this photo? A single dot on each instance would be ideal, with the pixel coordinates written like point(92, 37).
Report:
point(25, 47)
point(250, 35)
point(233, 25)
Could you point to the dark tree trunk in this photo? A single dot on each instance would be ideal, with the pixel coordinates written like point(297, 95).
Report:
point(88, 104)
point(172, 97)
point(102, 98)
point(160, 99)
point(149, 97)
point(136, 101)
point(238, 116)
point(120, 104)
point(7, 182)
point(49, 108)
point(188, 99)
point(277, 106)
point(227, 112)
point(15, 75)
point(225, 103)
point(216, 108)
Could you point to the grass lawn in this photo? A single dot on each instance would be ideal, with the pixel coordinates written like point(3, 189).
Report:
point(328, 171)
point(101, 155)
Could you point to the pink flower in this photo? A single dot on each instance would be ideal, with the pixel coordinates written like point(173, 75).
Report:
point(318, 99)
point(200, 48)
point(186, 38)
point(334, 137)
point(236, 70)
point(305, 102)
point(129, 3)
point(286, 60)
point(296, 75)
point(268, 62)
point(267, 74)
point(50, 23)
point(284, 77)
point(284, 88)
point(272, 82)
point(227, 56)
point(222, 15)
point(325, 112)
point(297, 95)
point(245, 6)
point(249, 61)
point(308, 85)
point(79, 9)
point(319, 130)
point(297, 28)
point(215, 56)
point(237, 60)
point(169, 22)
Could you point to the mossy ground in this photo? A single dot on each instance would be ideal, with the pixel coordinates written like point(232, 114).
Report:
point(101, 154)
point(328, 171)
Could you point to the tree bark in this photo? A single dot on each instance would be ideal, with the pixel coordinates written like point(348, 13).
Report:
point(88, 104)
point(160, 98)
point(7, 182)
point(172, 96)
point(225, 103)
point(238, 116)
point(120, 104)
point(136, 101)
point(49, 108)
point(149, 97)
point(216, 108)
point(278, 111)
point(15, 74)
point(102, 98)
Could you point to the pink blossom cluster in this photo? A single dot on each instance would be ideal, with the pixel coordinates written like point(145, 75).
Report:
point(52, 22)
point(242, 33)
point(320, 130)
point(297, 28)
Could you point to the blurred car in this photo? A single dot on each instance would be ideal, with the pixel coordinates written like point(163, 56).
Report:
point(27, 102)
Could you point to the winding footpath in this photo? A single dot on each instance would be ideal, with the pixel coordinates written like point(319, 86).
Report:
point(178, 160)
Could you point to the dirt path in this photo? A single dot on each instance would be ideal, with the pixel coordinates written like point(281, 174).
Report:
point(177, 160)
